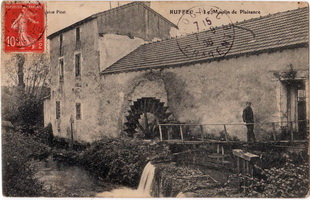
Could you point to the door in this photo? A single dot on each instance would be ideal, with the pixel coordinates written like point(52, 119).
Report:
point(296, 108)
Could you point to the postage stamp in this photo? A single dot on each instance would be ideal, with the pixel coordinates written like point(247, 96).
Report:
point(24, 27)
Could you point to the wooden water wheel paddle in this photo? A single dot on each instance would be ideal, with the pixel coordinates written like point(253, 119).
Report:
point(144, 115)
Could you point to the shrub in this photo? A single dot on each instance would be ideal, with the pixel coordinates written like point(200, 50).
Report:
point(45, 135)
point(289, 180)
point(122, 160)
point(173, 179)
point(18, 176)
point(65, 143)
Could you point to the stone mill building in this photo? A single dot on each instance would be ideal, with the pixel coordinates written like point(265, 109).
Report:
point(109, 78)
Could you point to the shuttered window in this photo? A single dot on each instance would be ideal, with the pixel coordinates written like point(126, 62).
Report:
point(77, 34)
point(77, 65)
point(57, 109)
point(78, 111)
point(61, 49)
point(61, 70)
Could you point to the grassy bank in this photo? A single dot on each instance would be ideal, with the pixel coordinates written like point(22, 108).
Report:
point(117, 160)
point(17, 152)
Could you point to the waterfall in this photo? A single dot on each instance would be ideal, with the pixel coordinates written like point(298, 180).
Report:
point(143, 190)
point(147, 179)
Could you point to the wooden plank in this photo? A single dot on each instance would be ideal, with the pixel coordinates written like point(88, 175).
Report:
point(244, 173)
point(225, 132)
point(289, 143)
point(292, 133)
point(160, 133)
point(202, 136)
point(181, 132)
point(246, 156)
point(274, 132)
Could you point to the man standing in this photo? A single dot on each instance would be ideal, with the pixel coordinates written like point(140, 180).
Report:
point(248, 118)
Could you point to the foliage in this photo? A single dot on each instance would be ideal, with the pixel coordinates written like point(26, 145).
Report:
point(290, 72)
point(30, 114)
point(289, 180)
point(220, 136)
point(9, 106)
point(24, 112)
point(45, 135)
point(67, 144)
point(26, 78)
point(18, 176)
point(174, 179)
point(35, 72)
point(275, 158)
point(122, 160)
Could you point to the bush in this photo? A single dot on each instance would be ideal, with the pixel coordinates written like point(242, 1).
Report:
point(45, 135)
point(174, 179)
point(122, 160)
point(18, 176)
point(66, 144)
point(291, 180)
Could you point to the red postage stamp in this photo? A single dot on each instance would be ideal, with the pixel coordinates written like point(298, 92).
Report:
point(24, 27)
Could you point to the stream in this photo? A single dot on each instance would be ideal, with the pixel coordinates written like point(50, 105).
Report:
point(62, 180)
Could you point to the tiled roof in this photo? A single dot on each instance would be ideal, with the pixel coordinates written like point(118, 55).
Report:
point(107, 12)
point(269, 33)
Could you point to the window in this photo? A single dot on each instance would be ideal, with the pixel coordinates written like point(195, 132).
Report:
point(77, 34)
point(78, 111)
point(77, 65)
point(301, 95)
point(60, 40)
point(57, 109)
point(61, 70)
point(61, 45)
point(77, 38)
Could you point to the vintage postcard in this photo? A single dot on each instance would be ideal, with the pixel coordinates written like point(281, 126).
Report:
point(155, 99)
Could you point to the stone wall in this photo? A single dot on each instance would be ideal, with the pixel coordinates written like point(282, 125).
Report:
point(135, 20)
point(76, 90)
point(113, 47)
point(207, 93)
point(97, 53)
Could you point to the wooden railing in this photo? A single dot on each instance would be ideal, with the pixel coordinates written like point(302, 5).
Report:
point(273, 124)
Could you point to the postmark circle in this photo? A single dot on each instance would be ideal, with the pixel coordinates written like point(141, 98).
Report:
point(205, 32)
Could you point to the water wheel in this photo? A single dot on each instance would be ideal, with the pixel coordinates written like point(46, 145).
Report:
point(144, 115)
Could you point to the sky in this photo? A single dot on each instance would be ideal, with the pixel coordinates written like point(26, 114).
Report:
point(78, 10)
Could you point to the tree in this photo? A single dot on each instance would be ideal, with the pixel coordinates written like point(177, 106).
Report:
point(28, 79)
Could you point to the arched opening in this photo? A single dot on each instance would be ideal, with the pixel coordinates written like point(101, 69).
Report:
point(144, 115)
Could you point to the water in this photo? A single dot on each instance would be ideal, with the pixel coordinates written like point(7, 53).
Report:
point(61, 180)
point(143, 190)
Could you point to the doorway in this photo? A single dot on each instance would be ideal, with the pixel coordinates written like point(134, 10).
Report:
point(296, 108)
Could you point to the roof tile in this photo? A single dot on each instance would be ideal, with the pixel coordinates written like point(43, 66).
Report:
point(280, 30)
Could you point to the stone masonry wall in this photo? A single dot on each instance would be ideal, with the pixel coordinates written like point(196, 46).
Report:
point(136, 21)
point(113, 47)
point(74, 90)
point(96, 54)
point(208, 93)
